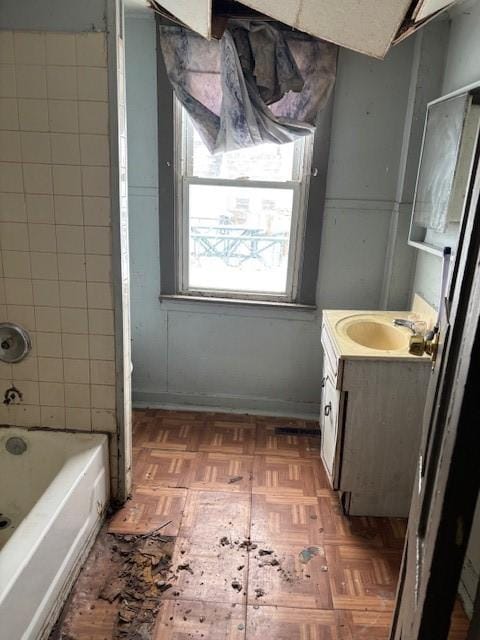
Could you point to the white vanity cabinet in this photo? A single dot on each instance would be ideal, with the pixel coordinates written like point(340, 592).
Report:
point(371, 421)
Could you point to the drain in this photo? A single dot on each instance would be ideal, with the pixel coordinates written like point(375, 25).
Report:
point(16, 446)
point(294, 431)
point(4, 522)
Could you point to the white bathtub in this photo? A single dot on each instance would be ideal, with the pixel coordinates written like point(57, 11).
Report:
point(54, 494)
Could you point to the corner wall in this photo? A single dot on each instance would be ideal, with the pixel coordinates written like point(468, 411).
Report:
point(264, 360)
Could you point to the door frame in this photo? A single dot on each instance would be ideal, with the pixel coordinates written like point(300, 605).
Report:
point(448, 474)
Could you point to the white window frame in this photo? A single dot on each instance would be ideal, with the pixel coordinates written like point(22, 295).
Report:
point(299, 186)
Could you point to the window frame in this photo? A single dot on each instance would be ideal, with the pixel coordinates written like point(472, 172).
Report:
point(299, 185)
point(309, 254)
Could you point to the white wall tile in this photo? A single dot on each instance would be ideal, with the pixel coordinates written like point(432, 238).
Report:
point(72, 266)
point(63, 116)
point(70, 239)
point(93, 117)
point(29, 390)
point(99, 268)
point(9, 114)
point(28, 416)
point(23, 315)
point(99, 295)
point(8, 87)
point(62, 83)
point(104, 420)
point(61, 49)
point(46, 293)
point(102, 372)
point(91, 49)
point(77, 395)
point(94, 149)
point(10, 146)
point(14, 236)
point(53, 417)
point(103, 397)
point(65, 148)
point(75, 345)
point(101, 322)
point(50, 369)
point(11, 180)
point(6, 47)
point(52, 394)
point(96, 211)
point(101, 347)
point(67, 180)
point(27, 369)
point(44, 265)
point(39, 208)
point(73, 294)
point(68, 210)
point(16, 264)
point(12, 207)
point(76, 371)
point(33, 114)
point(47, 319)
point(31, 82)
point(36, 147)
point(37, 178)
point(49, 345)
point(29, 48)
point(96, 181)
point(98, 240)
point(42, 237)
point(74, 321)
point(18, 291)
point(92, 83)
point(77, 418)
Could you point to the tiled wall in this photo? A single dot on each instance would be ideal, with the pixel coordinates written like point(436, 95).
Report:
point(55, 233)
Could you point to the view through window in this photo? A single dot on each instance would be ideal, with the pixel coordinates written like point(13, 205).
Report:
point(242, 217)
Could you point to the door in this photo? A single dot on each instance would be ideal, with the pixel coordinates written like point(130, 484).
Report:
point(448, 475)
point(329, 420)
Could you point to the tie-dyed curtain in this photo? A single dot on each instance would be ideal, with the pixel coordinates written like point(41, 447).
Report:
point(258, 84)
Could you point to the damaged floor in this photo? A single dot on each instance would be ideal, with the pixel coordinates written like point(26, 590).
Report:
point(233, 533)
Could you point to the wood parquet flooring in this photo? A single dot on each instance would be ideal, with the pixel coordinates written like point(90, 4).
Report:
point(224, 480)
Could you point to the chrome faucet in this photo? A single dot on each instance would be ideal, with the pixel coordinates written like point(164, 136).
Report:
point(402, 322)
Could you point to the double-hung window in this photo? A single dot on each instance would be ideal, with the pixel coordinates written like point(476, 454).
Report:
point(240, 217)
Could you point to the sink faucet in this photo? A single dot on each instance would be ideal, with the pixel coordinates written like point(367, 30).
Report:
point(417, 342)
point(402, 322)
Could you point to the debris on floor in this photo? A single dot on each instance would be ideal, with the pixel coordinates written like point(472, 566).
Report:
point(132, 573)
point(307, 554)
point(235, 479)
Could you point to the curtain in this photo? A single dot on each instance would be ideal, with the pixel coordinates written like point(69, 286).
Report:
point(259, 83)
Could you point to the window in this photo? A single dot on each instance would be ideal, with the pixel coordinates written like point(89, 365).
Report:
point(240, 218)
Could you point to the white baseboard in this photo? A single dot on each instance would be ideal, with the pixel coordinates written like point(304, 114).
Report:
point(226, 404)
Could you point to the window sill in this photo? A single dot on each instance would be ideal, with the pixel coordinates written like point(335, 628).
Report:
point(237, 302)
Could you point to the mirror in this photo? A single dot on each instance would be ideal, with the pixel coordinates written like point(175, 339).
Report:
point(448, 147)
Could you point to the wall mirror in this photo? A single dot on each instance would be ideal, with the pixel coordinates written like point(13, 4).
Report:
point(446, 159)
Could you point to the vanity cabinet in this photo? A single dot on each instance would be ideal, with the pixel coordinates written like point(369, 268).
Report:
point(371, 422)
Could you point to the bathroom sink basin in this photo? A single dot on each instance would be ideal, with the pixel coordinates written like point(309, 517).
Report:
point(374, 333)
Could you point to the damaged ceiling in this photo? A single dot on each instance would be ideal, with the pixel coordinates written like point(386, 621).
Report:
point(370, 26)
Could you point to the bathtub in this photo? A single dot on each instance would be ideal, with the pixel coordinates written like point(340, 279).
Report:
point(52, 501)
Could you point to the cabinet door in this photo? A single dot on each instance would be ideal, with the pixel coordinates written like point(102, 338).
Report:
point(329, 420)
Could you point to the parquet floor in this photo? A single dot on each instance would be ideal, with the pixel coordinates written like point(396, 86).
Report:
point(224, 479)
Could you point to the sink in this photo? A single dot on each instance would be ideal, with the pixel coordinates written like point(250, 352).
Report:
point(374, 333)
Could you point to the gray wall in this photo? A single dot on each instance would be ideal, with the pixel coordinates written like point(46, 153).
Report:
point(268, 360)
point(462, 68)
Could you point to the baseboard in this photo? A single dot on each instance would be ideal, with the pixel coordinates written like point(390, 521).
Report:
point(226, 404)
